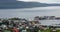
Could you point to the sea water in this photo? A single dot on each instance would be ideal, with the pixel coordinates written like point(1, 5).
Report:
point(30, 13)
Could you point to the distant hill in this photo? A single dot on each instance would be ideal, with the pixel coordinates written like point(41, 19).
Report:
point(21, 4)
point(8, 1)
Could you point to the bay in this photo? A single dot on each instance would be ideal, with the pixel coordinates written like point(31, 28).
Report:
point(30, 13)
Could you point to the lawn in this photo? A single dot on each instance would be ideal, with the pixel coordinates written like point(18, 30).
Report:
point(48, 30)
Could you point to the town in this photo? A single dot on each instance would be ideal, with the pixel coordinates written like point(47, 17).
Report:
point(24, 25)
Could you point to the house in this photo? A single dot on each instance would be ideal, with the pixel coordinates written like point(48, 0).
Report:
point(57, 18)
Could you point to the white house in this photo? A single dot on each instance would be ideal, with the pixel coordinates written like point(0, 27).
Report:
point(8, 1)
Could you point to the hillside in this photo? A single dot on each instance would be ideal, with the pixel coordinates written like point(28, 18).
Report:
point(21, 4)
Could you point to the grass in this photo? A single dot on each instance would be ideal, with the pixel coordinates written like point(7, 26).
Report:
point(58, 30)
point(7, 31)
point(48, 30)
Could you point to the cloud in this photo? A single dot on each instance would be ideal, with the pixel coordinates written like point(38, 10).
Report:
point(43, 1)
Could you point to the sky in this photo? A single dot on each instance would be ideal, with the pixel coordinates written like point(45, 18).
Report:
point(42, 1)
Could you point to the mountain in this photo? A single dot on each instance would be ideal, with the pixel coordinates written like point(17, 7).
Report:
point(53, 4)
point(8, 1)
point(30, 4)
point(21, 4)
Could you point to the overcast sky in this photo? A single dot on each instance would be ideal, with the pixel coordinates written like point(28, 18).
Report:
point(43, 1)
